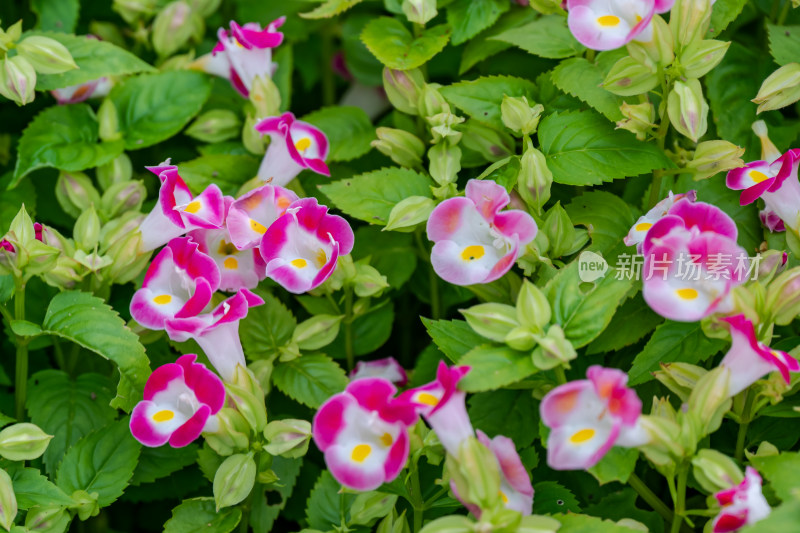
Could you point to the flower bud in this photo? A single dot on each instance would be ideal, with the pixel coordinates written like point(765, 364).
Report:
point(403, 89)
point(475, 474)
point(664, 446)
point(174, 26)
point(710, 400)
point(65, 274)
point(407, 213)
point(122, 198)
point(253, 141)
point(783, 296)
point(680, 378)
point(127, 259)
point(288, 438)
point(10, 36)
point(23, 442)
point(234, 480)
point(450, 524)
point(715, 471)
point(443, 127)
point(658, 51)
point(215, 126)
point(431, 101)
point(520, 117)
point(262, 370)
point(689, 20)
point(769, 152)
point(86, 505)
point(534, 178)
point(87, 230)
point(231, 435)
point(317, 331)
point(445, 163)
point(700, 57)
point(559, 230)
point(663, 408)
point(772, 263)
point(109, 121)
point(712, 157)
point(117, 170)
point(22, 229)
point(119, 228)
point(47, 519)
point(249, 405)
point(553, 350)
point(419, 11)
point(688, 109)
point(628, 77)
point(46, 55)
point(521, 338)
point(538, 524)
point(75, 193)
point(265, 96)
point(403, 147)
point(8, 501)
point(393, 523)
point(533, 309)
point(639, 119)
point(17, 79)
point(491, 320)
point(133, 10)
point(781, 88)
point(368, 281)
point(93, 261)
point(492, 144)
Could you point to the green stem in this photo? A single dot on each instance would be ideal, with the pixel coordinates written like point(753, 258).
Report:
point(416, 497)
point(21, 375)
point(661, 138)
point(244, 524)
point(59, 354)
point(744, 422)
point(332, 302)
point(433, 499)
point(650, 497)
point(784, 12)
point(680, 500)
point(560, 375)
point(590, 55)
point(433, 278)
point(348, 328)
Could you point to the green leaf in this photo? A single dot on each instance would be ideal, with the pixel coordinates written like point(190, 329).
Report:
point(64, 137)
point(326, 506)
point(87, 320)
point(582, 79)
point(32, 488)
point(330, 8)
point(154, 107)
point(364, 66)
point(24, 328)
point(391, 252)
point(395, 47)
point(581, 523)
point(371, 196)
point(310, 379)
point(607, 217)
point(467, 18)
point(94, 58)
point(673, 342)
point(723, 13)
point(622, 504)
point(583, 148)
point(481, 98)
point(266, 328)
point(584, 309)
point(68, 409)
point(229, 172)
point(784, 43)
point(513, 413)
point(101, 462)
point(349, 131)
point(554, 498)
point(494, 367)
point(157, 463)
point(200, 515)
point(782, 471)
point(453, 337)
point(56, 15)
point(266, 509)
point(617, 465)
point(370, 331)
point(547, 37)
point(631, 322)
point(483, 46)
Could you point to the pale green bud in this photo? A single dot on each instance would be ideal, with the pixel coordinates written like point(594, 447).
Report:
point(476, 474)
point(688, 109)
point(117, 170)
point(288, 438)
point(215, 126)
point(534, 179)
point(521, 338)
point(559, 230)
point(554, 349)
point(419, 11)
point(47, 519)
point(47, 55)
point(92, 261)
point(75, 193)
point(689, 20)
point(133, 10)
point(431, 101)
point(86, 505)
point(122, 198)
point(87, 230)
point(175, 26)
point(769, 152)
point(492, 144)
point(234, 480)
point(368, 507)
point(10, 36)
point(712, 157)
point(317, 331)
point(109, 121)
point(403, 89)
point(491, 320)
point(700, 57)
point(250, 405)
point(405, 148)
point(783, 296)
point(639, 119)
point(368, 281)
point(657, 52)
point(252, 139)
point(232, 433)
point(628, 77)
point(8, 501)
point(394, 523)
point(680, 378)
point(65, 274)
point(17, 80)
point(662, 408)
point(119, 228)
point(715, 471)
point(265, 96)
point(710, 399)
point(781, 88)
point(450, 524)
point(664, 445)
point(533, 309)
point(445, 163)
point(519, 116)
point(444, 127)
point(21, 228)
point(410, 212)
point(127, 259)
point(23, 442)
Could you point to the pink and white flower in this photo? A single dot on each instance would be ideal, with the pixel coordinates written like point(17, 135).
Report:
point(742, 504)
point(589, 416)
point(251, 215)
point(301, 247)
point(178, 211)
point(609, 24)
point(474, 241)
point(443, 406)
point(295, 146)
point(363, 433)
point(749, 360)
point(239, 269)
point(179, 283)
point(181, 400)
point(771, 220)
point(217, 332)
point(639, 230)
point(387, 368)
point(692, 262)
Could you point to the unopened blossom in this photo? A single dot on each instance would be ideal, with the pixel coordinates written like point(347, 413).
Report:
point(609, 24)
point(387, 368)
point(295, 146)
point(639, 230)
point(250, 215)
point(742, 504)
point(771, 220)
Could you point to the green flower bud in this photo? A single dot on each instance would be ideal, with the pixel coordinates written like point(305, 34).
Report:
point(23, 442)
point(689, 20)
point(262, 370)
point(533, 309)
point(700, 57)
point(783, 296)
point(639, 119)
point(663, 408)
point(715, 471)
point(133, 10)
point(87, 230)
point(554, 349)
point(444, 127)
point(521, 338)
point(317, 331)
point(768, 149)
point(122, 198)
point(109, 121)
point(252, 139)
point(117, 170)
point(234, 480)
point(538, 524)
point(431, 101)
point(17, 80)
point(410, 212)
point(688, 109)
point(492, 144)
point(781, 88)
point(215, 126)
point(445, 163)
point(394, 523)
point(368, 507)
point(288, 438)
point(47, 519)
point(92, 261)
point(772, 263)
point(8, 501)
point(534, 179)
point(710, 400)
point(75, 193)
point(265, 96)
point(419, 11)
point(680, 378)
point(10, 36)
point(368, 281)
point(66, 273)
point(47, 55)
point(712, 157)
point(520, 117)
point(119, 228)
point(403, 89)
point(127, 259)
point(21, 228)
point(665, 435)
point(559, 230)
point(232, 434)
point(491, 320)
point(86, 505)
point(403, 147)
point(450, 524)
point(174, 27)
point(657, 52)
point(628, 77)
point(250, 405)
point(476, 474)
point(547, 7)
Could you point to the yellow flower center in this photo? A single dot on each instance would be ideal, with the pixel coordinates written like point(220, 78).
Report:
point(193, 207)
point(258, 228)
point(608, 20)
point(303, 144)
point(428, 399)
point(162, 299)
point(582, 436)
point(472, 252)
point(386, 439)
point(226, 248)
point(230, 263)
point(644, 226)
point(686, 294)
point(757, 176)
point(503, 497)
point(299, 262)
point(164, 415)
point(361, 452)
